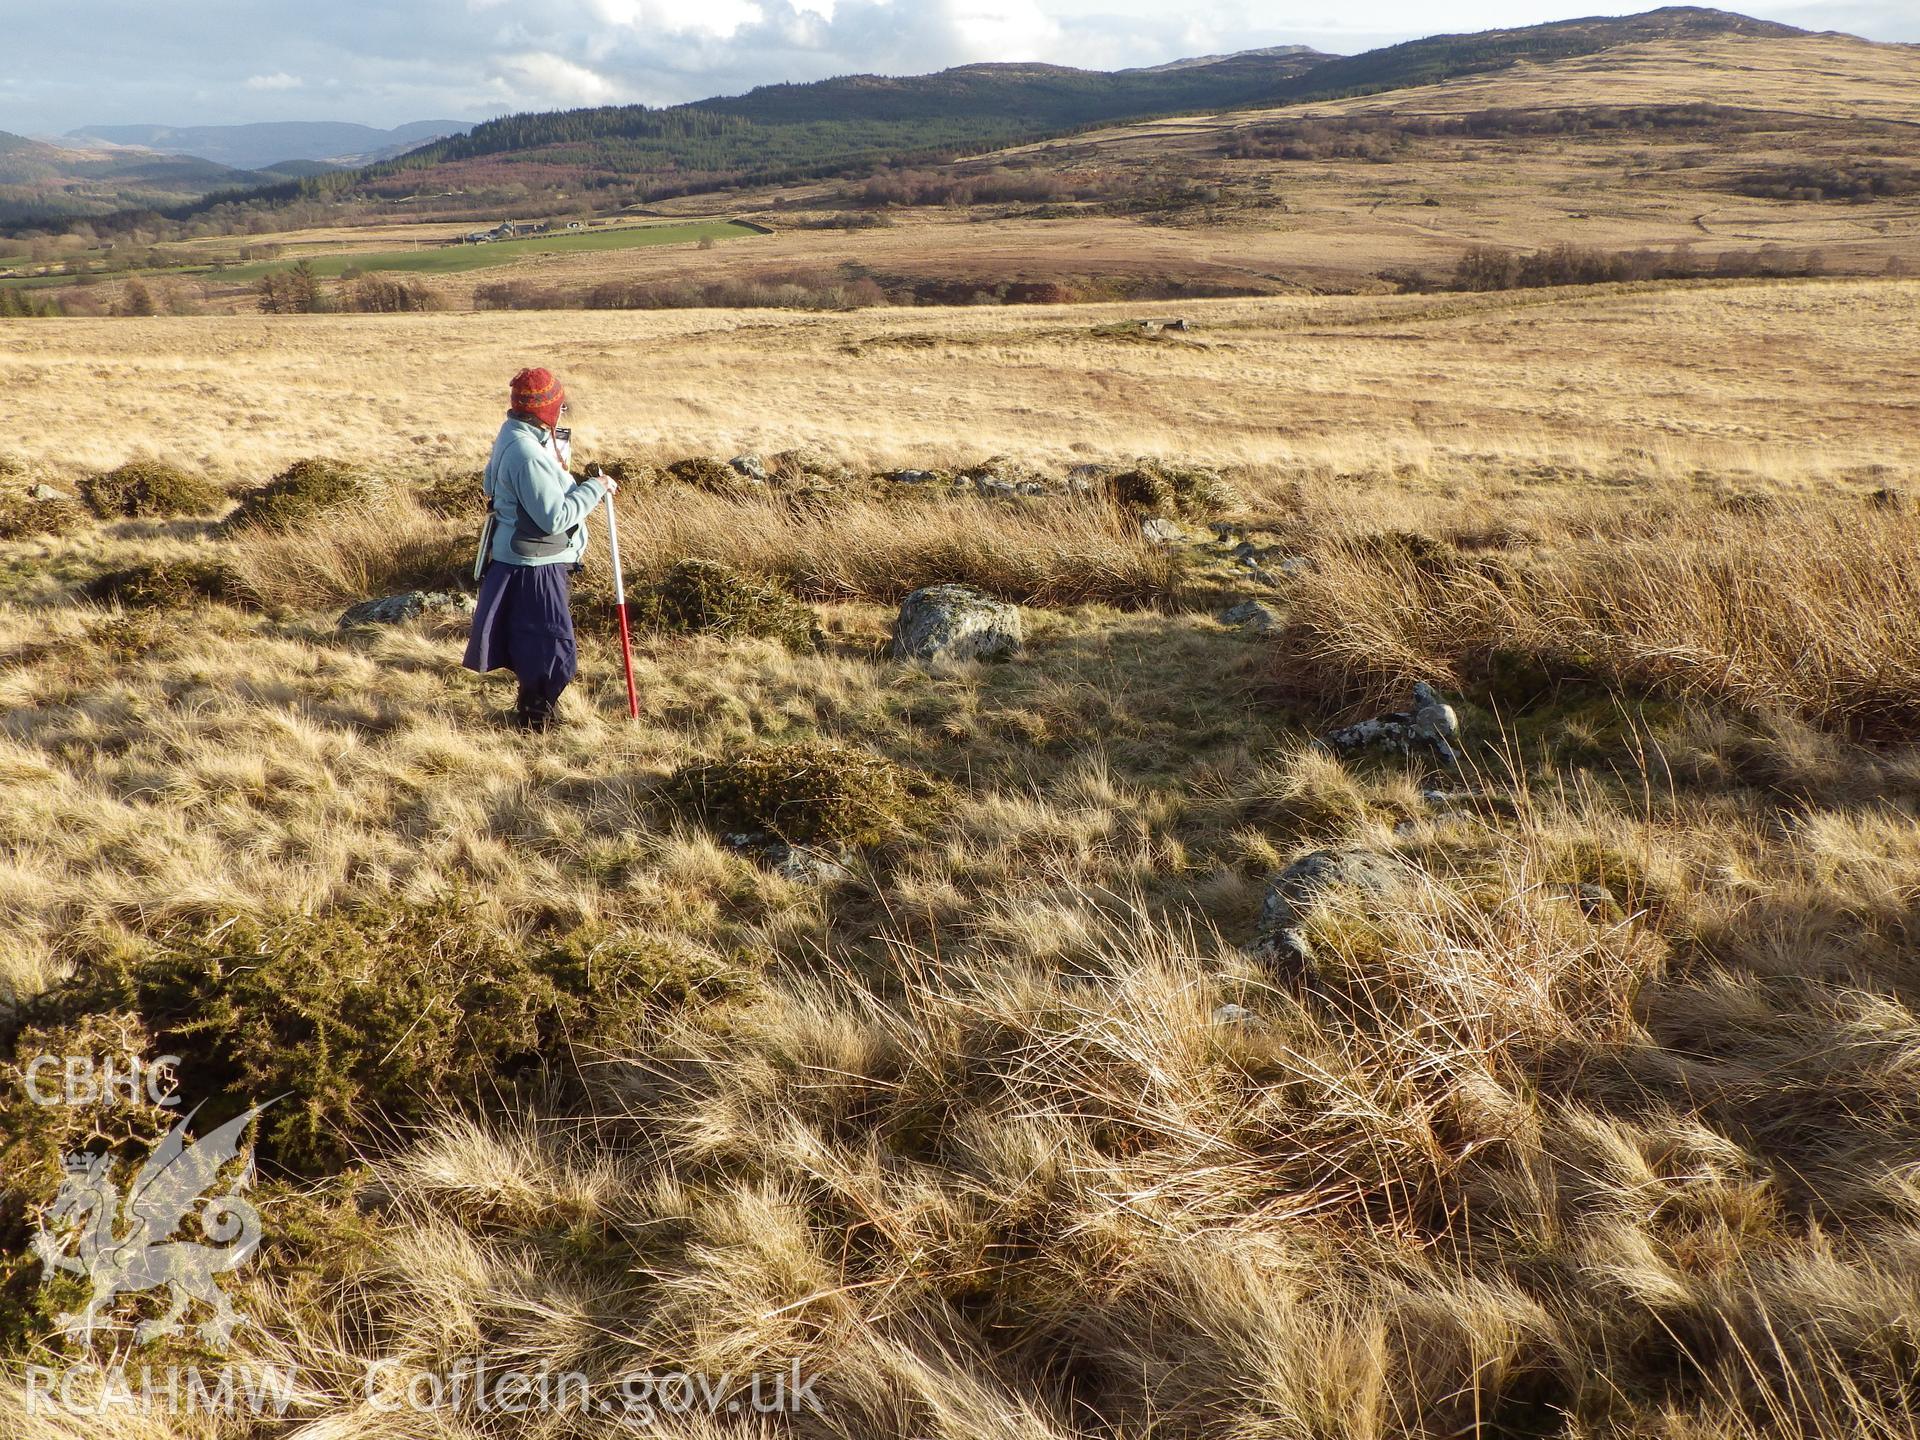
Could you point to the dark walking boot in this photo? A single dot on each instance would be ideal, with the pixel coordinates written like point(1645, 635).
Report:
point(534, 712)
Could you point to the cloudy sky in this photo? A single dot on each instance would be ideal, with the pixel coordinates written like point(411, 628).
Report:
point(382, 62)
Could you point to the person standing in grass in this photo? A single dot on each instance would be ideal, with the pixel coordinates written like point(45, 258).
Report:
point(536, 534)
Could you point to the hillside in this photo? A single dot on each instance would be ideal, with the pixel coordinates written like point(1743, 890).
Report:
point(41, 182)
point(829, 124)
point(259, 146)
point(1694, 155)
point(1703, 157)
point(1441, 57)
point(829, 127)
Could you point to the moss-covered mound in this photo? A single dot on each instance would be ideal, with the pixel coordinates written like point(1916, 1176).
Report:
point(167, 585)
point(1155, 487)
point(702, 597)
point(150, 489)
point(368, 1018)
point(806, 792)
point(303, 490)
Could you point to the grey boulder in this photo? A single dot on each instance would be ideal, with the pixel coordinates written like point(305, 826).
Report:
point(1429, 723)
point(1256, 617)
point(394, 609)
point(750, 466)
point(956, 622)
point(802, 864)
point(1158, 530)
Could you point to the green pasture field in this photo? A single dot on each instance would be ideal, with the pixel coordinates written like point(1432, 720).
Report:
point(449, 259)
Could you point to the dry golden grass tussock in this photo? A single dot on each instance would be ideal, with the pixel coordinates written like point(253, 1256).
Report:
point(1797, 611)
point(879, 549)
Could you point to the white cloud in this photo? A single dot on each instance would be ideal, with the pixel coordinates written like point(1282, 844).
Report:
point(996, 29)
point(557, 81)
point(1877, 19)
point(279, 80)
point(673, 17)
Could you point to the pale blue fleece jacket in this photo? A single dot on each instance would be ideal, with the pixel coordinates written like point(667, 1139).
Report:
point(532, 493)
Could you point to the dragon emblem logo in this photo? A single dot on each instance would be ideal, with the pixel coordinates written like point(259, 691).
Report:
point(126, 1245)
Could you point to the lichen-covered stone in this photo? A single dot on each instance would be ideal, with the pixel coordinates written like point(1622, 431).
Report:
point(801, 864)
point(1158, 530)
point(1428, 724)
point(1256, 617)
point(955, 622)
point(394, 609)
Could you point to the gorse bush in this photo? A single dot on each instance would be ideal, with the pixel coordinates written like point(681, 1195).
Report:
point(700, 597)
point(807, 791)
point(362, 1019)
point(35, 1140)
point(459, 493)
point(705, 473)
point(24, 518)
point(1158, 487)
point(305, 489)
point(147, 487)
point(168, 584)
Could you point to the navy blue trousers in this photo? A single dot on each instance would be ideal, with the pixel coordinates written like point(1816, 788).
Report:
point(522, 622)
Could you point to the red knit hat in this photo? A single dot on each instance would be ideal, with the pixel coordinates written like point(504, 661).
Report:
point(538, 395)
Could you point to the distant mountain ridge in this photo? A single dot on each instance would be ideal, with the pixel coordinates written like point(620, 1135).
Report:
point(843, 125)
point(258, 146)
point(1269, 52)
point(793, 131)
point(40, 180)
